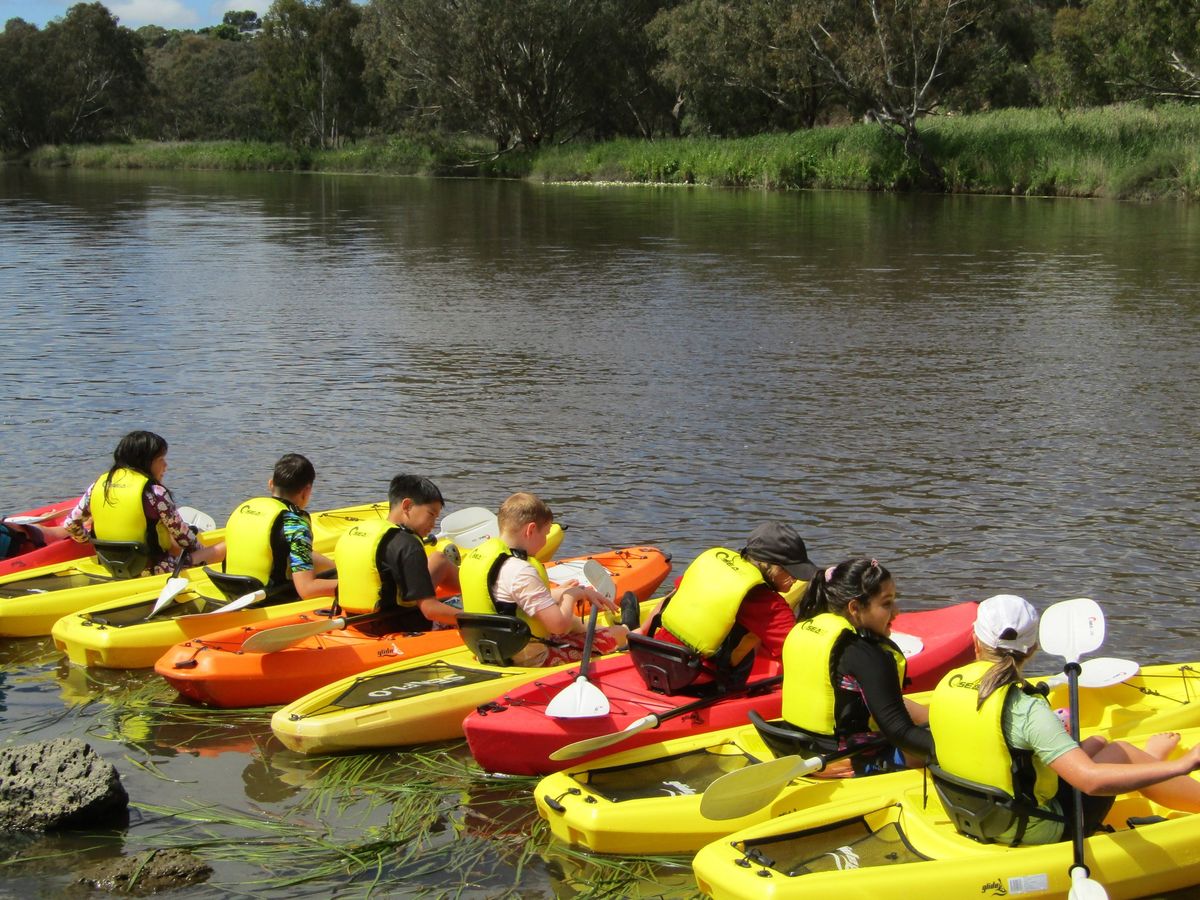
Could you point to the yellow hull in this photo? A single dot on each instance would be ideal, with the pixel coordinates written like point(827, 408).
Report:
point(618, 804)
point(414, 701)
point(118, 635)
point(880, 837)
point(32, 601)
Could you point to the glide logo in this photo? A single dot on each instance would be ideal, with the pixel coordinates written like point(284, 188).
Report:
point(355, 531)
point(248, 510)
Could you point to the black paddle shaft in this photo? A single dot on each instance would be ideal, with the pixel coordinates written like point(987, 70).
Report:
point(755, 687)
point(587, 641)
point(1072, 670)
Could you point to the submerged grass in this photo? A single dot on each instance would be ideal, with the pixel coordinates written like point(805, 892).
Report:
point(1124, 151)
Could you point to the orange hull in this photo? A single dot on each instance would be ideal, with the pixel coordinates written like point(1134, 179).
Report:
point(214, 671)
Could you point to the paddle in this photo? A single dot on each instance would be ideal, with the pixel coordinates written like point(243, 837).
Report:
point(581, 699)
point(171, 589)
point(201, 520)
point(1070, 629)
point(470, 527)
point(31, 520)
point(653, 720)
point(740, 793)
point(283, 636)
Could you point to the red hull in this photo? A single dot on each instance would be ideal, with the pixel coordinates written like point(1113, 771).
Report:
point(53, 552)
point(515, 736)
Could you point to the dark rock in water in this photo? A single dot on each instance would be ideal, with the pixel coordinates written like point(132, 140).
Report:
point(58, 784)
point(148, 873)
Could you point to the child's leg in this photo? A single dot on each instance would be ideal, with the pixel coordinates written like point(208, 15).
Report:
point(1180, 793)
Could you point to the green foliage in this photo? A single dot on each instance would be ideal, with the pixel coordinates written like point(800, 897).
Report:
point(312, 70)
point(525, 73)
point(205, 88)
point(78, 79)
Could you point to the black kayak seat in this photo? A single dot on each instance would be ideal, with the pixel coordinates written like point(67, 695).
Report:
point(785, 739)
point(666, 668)
point(979, 811)
point(494, 639)
point(123, 559)
point(233, 586)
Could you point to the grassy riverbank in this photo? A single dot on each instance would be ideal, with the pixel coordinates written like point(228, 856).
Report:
point(1126, 152)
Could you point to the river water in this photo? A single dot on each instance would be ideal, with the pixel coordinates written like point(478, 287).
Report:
point(987, 394)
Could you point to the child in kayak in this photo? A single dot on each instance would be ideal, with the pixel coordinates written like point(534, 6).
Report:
point(385, 567)
point(271, 538)
point(503, 576)
point(729, 606)
point(985, 727)
point(844, 678)
point(130, 503)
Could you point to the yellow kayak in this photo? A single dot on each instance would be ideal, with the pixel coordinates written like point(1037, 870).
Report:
point(425, 699)
point(889, 836)
point(647, 800)
point(32, 601)
point(120, 633)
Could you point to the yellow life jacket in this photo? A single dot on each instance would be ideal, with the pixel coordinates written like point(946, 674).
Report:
point(970, 742)
point(705, 606)
point(251, 539)
point(477, 577)
point(810, 653)
point(119, 513)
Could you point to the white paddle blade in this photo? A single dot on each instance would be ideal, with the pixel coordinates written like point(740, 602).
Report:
point(600, 579)
point(203, 521)
point(242, 602)
point(1101, 672)
point(31, 520)
point(470, 527)
point(748, 790)
point(579, 700)
point(271, 640)
point(1084, 888)
point(910, 645)
point(169, 592)
point(1072, 628)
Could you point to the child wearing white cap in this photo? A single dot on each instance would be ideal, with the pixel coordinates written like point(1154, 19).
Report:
point(985, 725)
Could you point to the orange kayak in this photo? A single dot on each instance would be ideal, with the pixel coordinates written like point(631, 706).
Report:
point(214, 669)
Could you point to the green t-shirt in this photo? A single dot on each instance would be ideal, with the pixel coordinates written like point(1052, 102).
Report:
point(1030, 724)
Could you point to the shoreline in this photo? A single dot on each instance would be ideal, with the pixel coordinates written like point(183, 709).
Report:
point(1125, 152)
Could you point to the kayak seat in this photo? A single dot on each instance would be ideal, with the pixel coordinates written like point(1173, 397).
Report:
point(494, 639)
point(785, 739)
point(233, 586)
point(665, 668)
point(980, 811)
point(123, 559)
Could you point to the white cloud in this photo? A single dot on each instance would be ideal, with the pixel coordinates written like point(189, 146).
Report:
point(167, 13)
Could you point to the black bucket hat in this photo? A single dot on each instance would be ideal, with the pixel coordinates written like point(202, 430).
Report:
point(776, 542)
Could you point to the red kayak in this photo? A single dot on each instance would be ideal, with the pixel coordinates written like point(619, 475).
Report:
point(514, 735)
point(54, 551)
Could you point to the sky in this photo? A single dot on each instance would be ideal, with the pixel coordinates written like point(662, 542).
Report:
point(135, 13)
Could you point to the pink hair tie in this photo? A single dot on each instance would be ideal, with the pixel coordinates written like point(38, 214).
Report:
point(829, 573)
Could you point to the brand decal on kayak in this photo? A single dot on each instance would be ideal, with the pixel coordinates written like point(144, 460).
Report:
point(1021, 884)
point(413, 682)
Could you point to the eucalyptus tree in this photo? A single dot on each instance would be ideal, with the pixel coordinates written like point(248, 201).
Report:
point(206, 87)
point(742, 66)
point(81, 78)
point(312, 70)
point(892, 59)
point(524, 72)
point(1127, 50)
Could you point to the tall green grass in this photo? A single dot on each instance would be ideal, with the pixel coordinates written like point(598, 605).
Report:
point(1126, 152)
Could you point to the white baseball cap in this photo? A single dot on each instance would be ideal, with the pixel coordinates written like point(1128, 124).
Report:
point(1007, 622)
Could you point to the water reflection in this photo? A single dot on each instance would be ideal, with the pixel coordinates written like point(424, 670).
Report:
point(989, 394)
